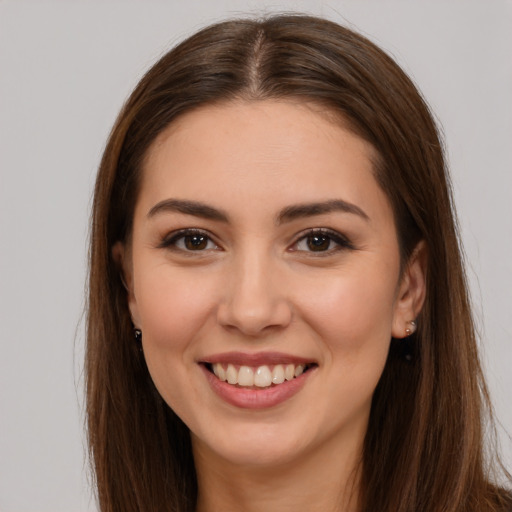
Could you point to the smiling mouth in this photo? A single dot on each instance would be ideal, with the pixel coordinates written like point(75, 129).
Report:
point(254, 377)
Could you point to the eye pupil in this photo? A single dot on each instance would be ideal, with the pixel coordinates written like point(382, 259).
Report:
point(318, 242)
point(196, 242)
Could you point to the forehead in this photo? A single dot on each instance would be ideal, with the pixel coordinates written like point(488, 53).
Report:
point(261, 153)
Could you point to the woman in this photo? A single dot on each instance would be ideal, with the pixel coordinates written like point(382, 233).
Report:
point(278, 314)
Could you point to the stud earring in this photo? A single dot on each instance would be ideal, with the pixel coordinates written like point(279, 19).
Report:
point(411, 329)
point(137, 333)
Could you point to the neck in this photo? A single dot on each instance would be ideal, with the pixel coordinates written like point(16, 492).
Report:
point(325, 480)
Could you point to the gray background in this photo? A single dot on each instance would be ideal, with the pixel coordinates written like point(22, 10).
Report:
point(65, 69)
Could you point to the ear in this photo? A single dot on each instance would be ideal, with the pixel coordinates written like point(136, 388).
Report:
point(122, 256)
point(411, 293)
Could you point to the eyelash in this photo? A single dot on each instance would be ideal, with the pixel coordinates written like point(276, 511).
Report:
point(332, 236)
point(171, 241)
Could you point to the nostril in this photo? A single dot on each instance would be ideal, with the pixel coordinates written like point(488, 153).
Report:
point(255, 318)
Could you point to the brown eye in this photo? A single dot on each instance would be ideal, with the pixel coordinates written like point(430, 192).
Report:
point(322, 241)
point(195, 242)
point(318, 242)
point(189, 240)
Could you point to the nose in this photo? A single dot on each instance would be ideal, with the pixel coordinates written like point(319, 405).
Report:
point(254, 301)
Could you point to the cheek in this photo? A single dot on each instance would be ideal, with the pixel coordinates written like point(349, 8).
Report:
point(352, 311)
point(350, 318)
point(174, 307)
point(173, 304)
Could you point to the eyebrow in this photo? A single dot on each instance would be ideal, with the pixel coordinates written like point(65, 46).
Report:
point(299, 211)
point(194, 208)
point(287, 214)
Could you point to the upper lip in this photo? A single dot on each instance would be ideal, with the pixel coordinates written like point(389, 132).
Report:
point(257, 359)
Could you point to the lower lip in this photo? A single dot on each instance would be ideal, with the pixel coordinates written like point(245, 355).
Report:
point(256, 398)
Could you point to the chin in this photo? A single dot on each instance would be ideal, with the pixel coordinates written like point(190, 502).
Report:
point(252, 446)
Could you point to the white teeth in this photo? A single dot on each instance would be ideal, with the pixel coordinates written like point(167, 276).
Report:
point(245, 376)
point(261, 377)
point(278, 374)
point(232, 374)
point(219, 371)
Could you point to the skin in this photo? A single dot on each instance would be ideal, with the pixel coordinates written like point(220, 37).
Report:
point(257, 286)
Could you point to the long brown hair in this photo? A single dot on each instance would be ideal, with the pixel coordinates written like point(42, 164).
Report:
point(424, 446)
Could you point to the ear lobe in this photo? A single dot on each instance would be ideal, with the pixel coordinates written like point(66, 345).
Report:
point(411, 293)
point(122, 258)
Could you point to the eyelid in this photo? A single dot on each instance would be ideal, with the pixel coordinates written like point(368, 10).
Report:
point(341, 240)
point(169, 240)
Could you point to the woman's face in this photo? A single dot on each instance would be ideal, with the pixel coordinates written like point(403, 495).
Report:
point(263, 248)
